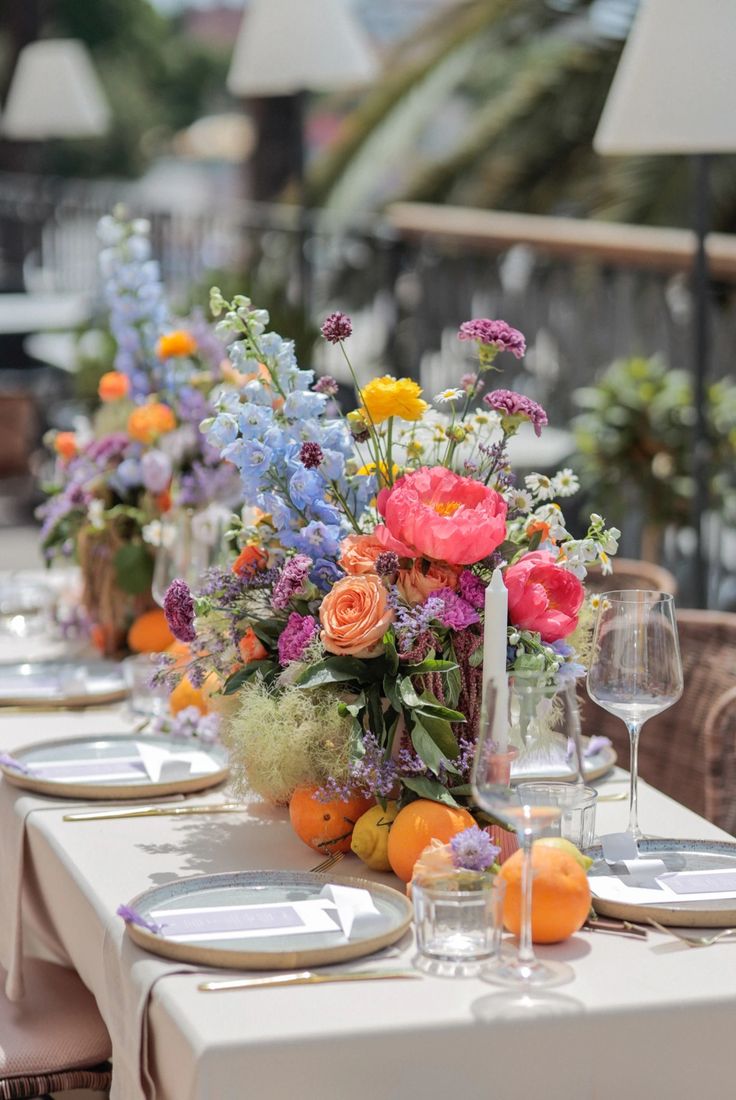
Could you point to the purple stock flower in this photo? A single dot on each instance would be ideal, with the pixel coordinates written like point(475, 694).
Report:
point(296, 636)
point(310, 455)
point(132, 916)
point(456, 613)
point(387, 563)
point(327, 385)
point(156, 471)
point(337, 327)
point(494, 334)
point(291, 581)
point(179, 610)
point(473, 850)
point(472, 589)
point(511, 404)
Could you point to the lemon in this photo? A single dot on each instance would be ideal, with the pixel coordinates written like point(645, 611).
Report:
point(370, 836)
point(566, 846)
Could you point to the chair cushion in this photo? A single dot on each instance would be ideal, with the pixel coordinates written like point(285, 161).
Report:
point(55, 1027)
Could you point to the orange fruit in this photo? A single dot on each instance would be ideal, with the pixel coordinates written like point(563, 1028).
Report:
point(180, 652)
point(150, 633)
point(186, 695)
point(326, 826)
point(416, 825)
point(560, 894)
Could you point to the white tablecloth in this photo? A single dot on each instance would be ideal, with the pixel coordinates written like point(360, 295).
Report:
point(650, 1019)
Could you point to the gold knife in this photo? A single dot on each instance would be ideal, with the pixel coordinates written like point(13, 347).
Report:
point(155, 811)
point(306, 977)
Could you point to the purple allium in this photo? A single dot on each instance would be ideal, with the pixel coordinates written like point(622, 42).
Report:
point(472, 589)
point(327, 385)
point(509, 403)
point(296, 636)
point(473, 850)
point(337, 327)
point(179, 610)
point(310, 455)
point(291, 581)
point(387, 563)
point(456, 613)
point(494, 334)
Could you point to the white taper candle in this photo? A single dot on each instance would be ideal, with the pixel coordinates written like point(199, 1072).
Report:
point(494, 655)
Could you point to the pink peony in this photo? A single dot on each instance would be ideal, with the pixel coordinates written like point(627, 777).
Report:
point(543, 596)
point(437, 514)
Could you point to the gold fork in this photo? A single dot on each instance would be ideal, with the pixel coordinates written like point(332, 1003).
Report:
point(325, 864)
point(694, 941)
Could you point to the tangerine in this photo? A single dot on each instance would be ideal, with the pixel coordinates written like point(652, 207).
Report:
point(560, 894)
point(150, 633)
point(185, 694)
point(326, 826)
point(416, 826)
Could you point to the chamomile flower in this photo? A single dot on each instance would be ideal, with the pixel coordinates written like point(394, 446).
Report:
point(540, 485)
point(520, 500)
point(448, 397)
point(565, 483)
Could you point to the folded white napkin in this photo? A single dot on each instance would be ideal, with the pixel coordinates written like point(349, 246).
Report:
point(355, 911)
point(163, 766)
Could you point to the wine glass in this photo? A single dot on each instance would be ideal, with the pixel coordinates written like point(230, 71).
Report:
point(523, 715)
point(635, 671)
point(191, 543)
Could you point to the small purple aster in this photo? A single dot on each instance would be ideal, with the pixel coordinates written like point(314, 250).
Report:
point(310, 455)
point(473, 850)
point(494, 334)
point(179, 610)
point(511, 404)
point(296, 636)
point(291, 580)
point(327, 385)
point(387, 563)
point(337, 327)
point(472, 589)
point(455, 613)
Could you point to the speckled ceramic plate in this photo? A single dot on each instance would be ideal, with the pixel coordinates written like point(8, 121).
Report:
point(677, 855)
point(51, 684)
point(265, 952)
point(594, 767)
point(102, 767)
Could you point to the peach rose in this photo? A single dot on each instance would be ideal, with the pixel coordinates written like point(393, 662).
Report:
point(358, 554)
point(415, 584)
point(355, 615)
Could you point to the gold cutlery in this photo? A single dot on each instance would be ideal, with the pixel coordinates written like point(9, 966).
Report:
point(306, 977)
point(696, 940)
point(155, 811)
point(615, 927)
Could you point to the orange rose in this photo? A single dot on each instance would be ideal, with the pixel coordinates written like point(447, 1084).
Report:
point(113, 386)
point(355, 615)
point(358, 553)
point(65, 445)
point(250, 557)
point(178, 342)
point(147, 422)
point(415, 584)
point(251, 649)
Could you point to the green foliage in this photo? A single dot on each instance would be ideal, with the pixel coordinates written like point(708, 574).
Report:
point(133, 568)
point(634, 439)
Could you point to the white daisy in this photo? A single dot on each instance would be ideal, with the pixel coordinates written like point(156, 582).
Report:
point(540, 485)
point(565, 483)
point(519, 499)
point(449, 397)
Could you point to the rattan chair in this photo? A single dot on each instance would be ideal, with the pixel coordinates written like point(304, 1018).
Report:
point(53, 1040)
point(689, 751)
point(632, 573)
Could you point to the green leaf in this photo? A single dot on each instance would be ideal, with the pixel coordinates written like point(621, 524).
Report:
point(133, 568)
point(268, 631)
point(432, 665)
point(392, 657)
point(353, 709)
point(243, 674)
point(391, 691)
point(407, 693)
point(426, 748)
point(427, 702)
point(374, 711)
point(429, 788)
point(440, 731)
point(535, 540)
point(334, 670)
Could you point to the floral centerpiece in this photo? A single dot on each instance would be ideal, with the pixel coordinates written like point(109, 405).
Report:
point(143, 453)
point(349, 633)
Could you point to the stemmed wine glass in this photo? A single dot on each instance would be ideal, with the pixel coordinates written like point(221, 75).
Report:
point(635, 671)
point(521, 711)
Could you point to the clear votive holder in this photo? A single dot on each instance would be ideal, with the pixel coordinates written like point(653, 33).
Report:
point(577, 809)
point(144, 697)
point(458, 918)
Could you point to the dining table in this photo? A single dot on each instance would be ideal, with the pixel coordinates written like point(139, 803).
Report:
point(642, 1017)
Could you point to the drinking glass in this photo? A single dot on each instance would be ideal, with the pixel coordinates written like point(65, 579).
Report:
point(191, 542)
point(635, 671)
point(524, 712)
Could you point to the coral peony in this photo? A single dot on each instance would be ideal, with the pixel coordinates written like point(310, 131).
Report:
point(113, 385)
point(424, 578)
point(435, 513)
point(543, 596)
point(387, 396)
point(148, 422)
point(355, 615)
point(176, 343)
point(358, 554)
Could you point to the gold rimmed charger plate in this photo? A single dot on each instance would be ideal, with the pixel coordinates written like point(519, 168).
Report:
point(52, 685)
point(272, 952)
point(678, 855)
point(101, 747)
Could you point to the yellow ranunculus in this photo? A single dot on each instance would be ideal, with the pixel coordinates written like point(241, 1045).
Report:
point(370, 468)
point(386, 397)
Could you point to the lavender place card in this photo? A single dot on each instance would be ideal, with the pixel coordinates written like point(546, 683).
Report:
point(88, 771)
point(245, 921)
